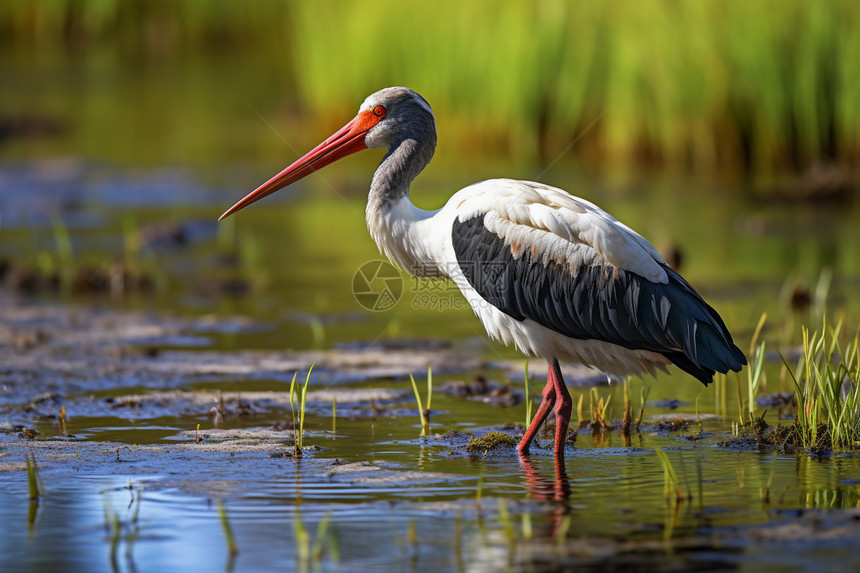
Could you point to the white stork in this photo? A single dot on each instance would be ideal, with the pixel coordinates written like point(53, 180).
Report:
point(548, 272)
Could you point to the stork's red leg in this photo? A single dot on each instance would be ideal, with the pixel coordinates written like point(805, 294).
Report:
point(547, 402)
point(563, 408)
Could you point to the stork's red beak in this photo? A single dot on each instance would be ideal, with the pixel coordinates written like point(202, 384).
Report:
point(345, 141)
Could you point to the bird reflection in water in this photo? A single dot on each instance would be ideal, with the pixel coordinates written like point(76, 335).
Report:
point(555, 490)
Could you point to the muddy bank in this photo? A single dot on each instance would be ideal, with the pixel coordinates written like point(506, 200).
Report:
point(51, 355)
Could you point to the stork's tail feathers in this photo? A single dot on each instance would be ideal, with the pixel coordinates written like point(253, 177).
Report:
point(708, 345)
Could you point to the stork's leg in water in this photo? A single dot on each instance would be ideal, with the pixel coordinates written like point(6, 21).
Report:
point(563, 407)
point(547, 402)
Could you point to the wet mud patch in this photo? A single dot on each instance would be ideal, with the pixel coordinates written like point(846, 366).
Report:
point(785, 438)
point(61, 458)
point(367, 473)
point(229, 406)
point(214, 458)
point(52, 356)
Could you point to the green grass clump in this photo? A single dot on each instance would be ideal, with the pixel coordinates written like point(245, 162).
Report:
point(827, 380)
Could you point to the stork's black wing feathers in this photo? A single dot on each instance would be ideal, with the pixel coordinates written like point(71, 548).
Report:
point(598, 301)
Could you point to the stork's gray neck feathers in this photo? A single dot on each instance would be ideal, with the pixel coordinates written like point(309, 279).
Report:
point(391, 217)
point(404, 161)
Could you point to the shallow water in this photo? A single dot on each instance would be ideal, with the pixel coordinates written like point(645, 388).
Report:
point(239, 308)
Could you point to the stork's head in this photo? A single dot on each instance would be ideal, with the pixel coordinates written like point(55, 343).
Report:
point(385, 119)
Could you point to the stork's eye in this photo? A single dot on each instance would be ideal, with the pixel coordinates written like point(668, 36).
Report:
point(379, 111)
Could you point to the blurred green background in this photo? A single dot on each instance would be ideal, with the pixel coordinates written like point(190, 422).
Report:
point(705, 85)
point(727, 131)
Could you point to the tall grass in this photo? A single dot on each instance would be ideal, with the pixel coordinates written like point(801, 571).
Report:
point(827, 380)
point(706, 83)
point(677, 80)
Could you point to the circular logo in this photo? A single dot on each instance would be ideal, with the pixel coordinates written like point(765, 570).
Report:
point(377, 285)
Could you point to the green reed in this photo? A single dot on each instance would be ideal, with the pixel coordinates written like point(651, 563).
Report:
point(297, 409)
point(827, 383)
point(229, 536)
point(666, 93)
point(33, 481)
point(422, 412)
point(671, 485)
point(706, 83)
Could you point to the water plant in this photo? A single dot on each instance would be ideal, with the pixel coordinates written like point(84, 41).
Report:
point(319, 540)
point(33, 480)
point(229, 536)
point(827, 383)
point(526, 526)
point(65, 250)
point(303, 541)
point(61, 420)
point(671, 485)
point(122, 530)
point(563, 529)
point(412, 541)
point(312, 553)
point(698, 417)
point(643, 397)
point(755, 377)
point(755, 372)
point(35, 486)
point(114, 526)
point(765, 492)
point(422, 412)
point(306, 552)
point(297, 410)
point(599, 410)
point(507, 524)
